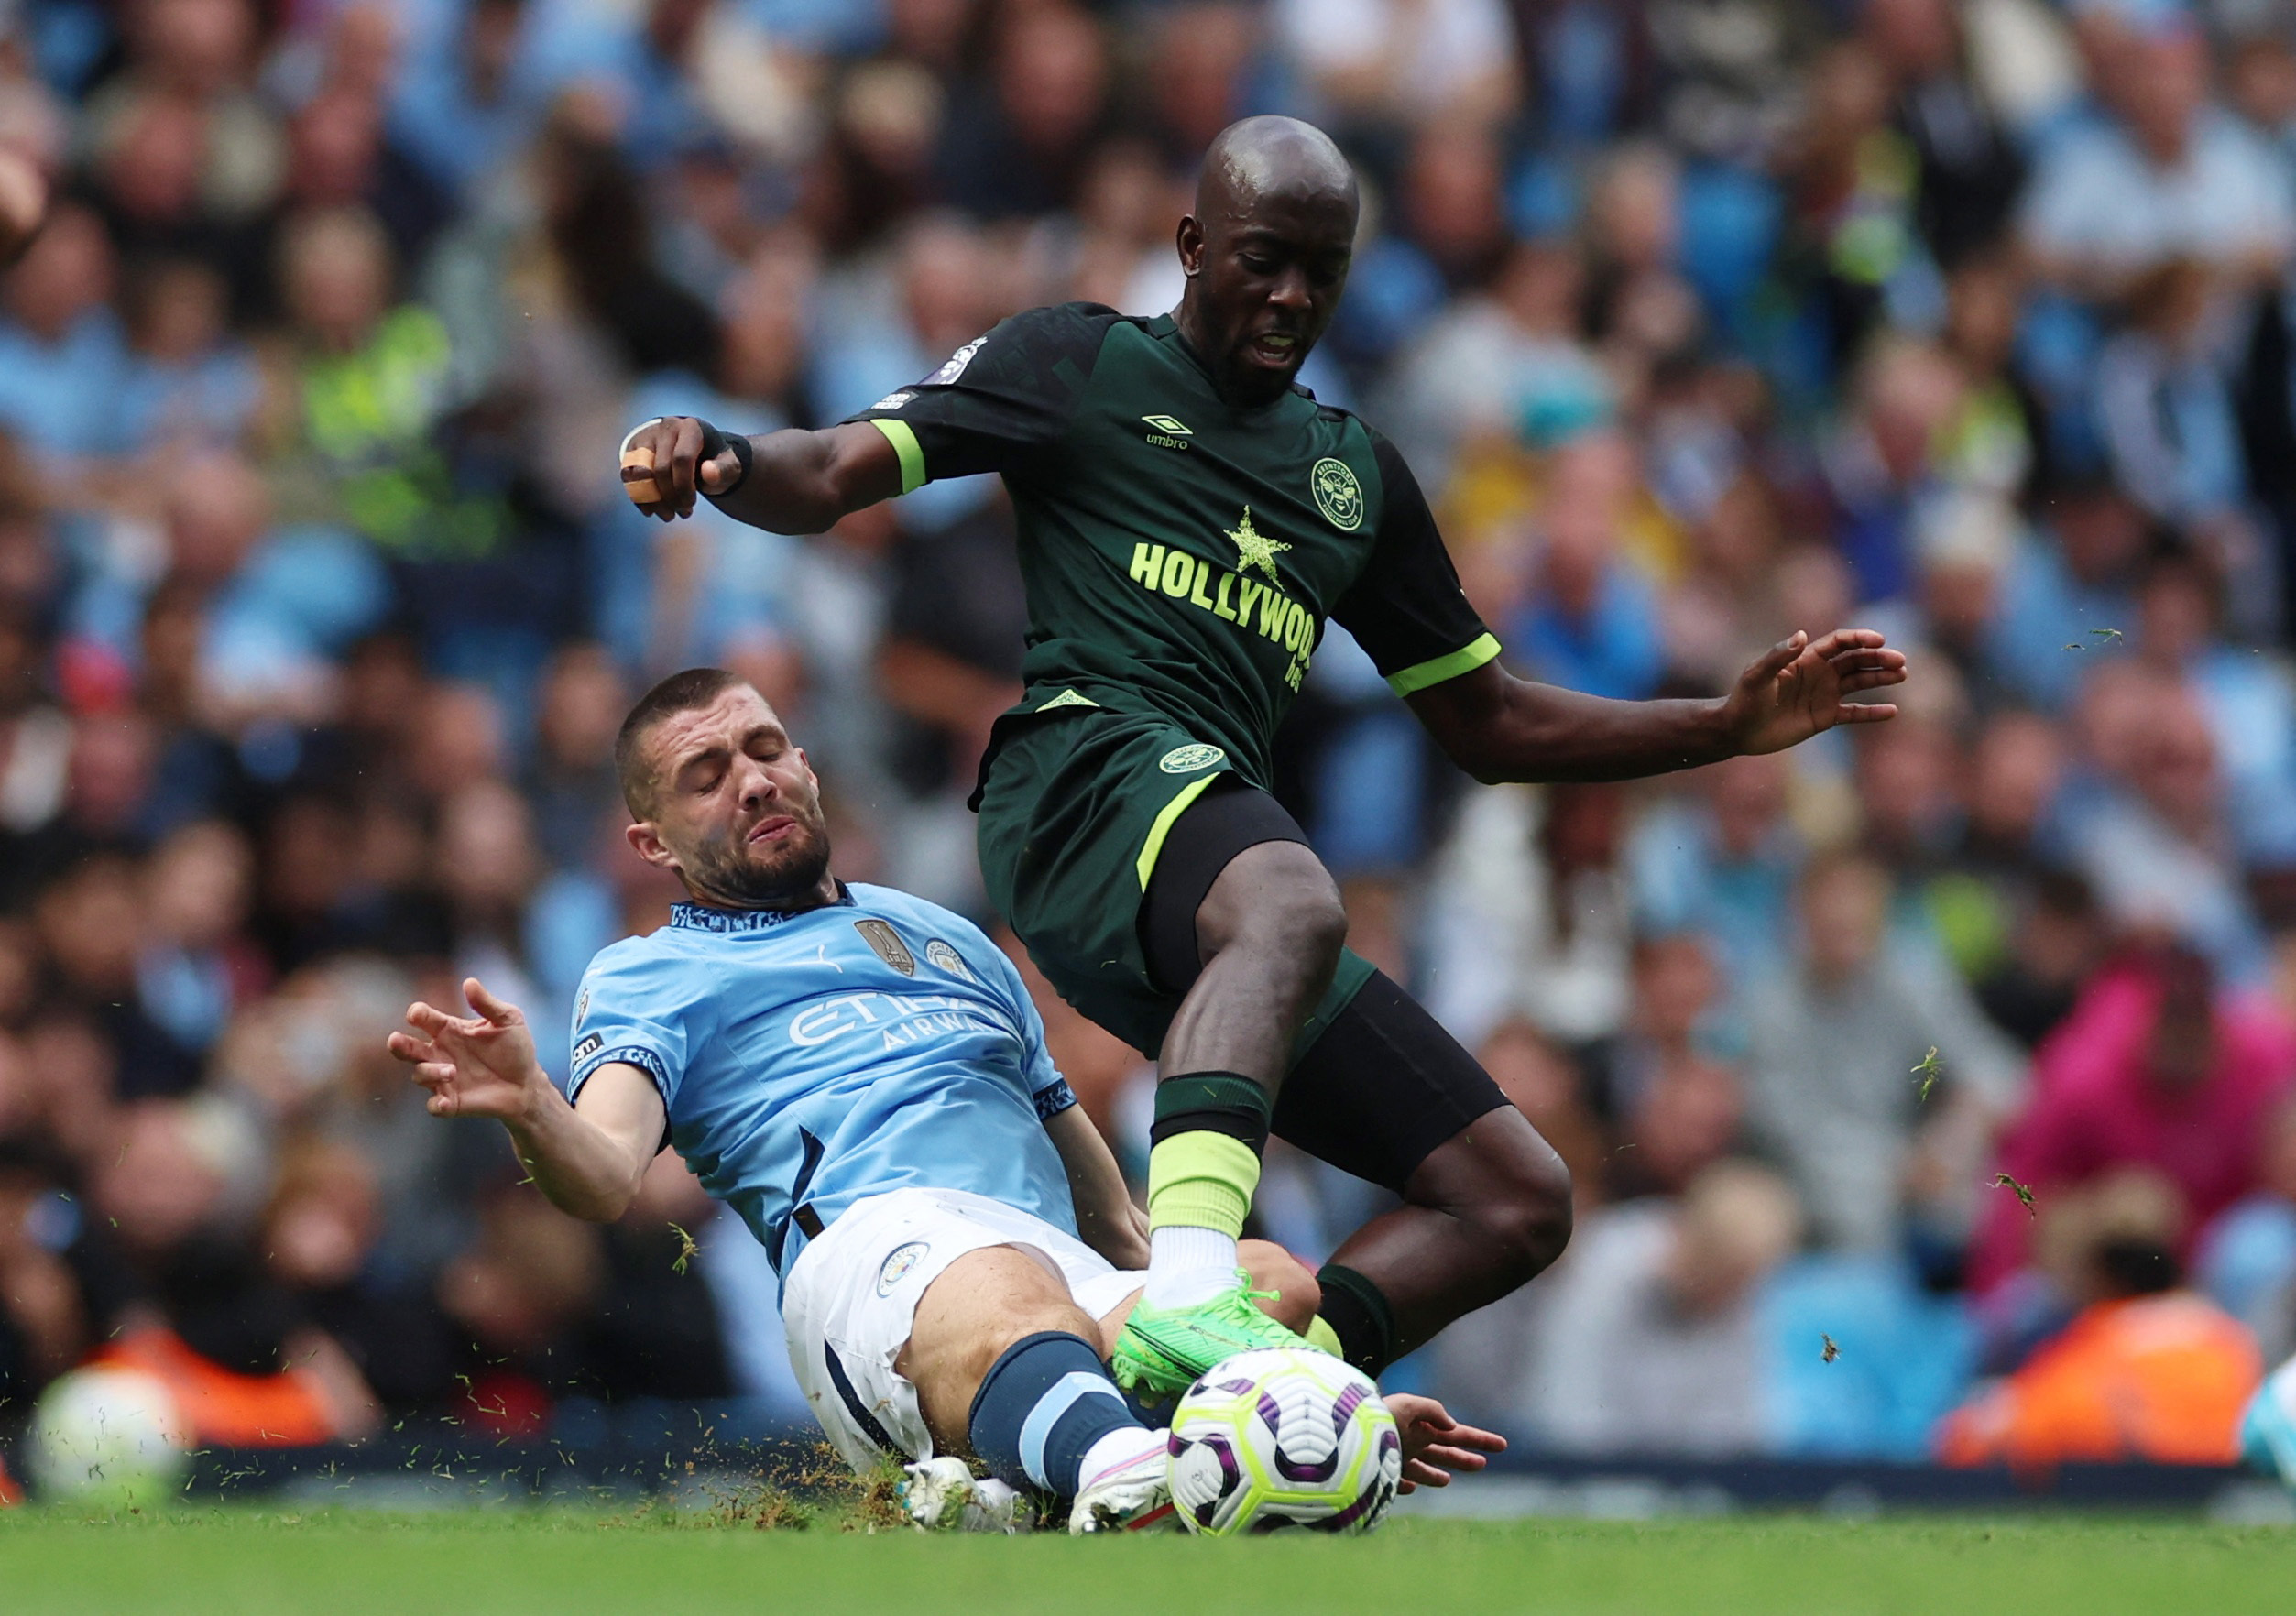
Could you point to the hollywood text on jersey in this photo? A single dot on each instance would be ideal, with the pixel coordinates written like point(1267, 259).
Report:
point(1252, 606)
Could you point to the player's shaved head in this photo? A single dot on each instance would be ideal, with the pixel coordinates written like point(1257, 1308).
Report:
point(1266, 252)
point(634, 764)
point(1272, 156)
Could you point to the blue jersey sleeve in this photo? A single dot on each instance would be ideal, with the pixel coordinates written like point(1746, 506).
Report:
point(1046, 1086)
point(635, 1007)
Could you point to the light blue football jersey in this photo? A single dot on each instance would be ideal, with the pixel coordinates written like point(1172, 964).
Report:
point(810, 1060)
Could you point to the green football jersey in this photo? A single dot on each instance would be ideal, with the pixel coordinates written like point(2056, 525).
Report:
point(1181, 555)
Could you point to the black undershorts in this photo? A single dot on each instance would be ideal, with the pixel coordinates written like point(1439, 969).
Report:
point(1380, 1083)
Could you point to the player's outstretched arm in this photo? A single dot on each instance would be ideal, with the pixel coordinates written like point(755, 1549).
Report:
point(1433, 1444)
point(787, 482)
point(1498, 728)
point(589, 1161)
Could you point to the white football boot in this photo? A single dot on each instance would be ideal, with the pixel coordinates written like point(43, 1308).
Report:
point(1134, 1494)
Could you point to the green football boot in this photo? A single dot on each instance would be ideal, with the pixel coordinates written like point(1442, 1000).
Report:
point(1163, 1349)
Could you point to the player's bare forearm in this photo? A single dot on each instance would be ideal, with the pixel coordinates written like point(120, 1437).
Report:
point(1498, 728)
point(1107, 1219)
point(808, 482)
point(797, 482)
point(590, 1161)
point(591, 1166)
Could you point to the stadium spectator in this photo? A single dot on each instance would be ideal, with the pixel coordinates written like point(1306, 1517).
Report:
point(1721, 859)
point(2156, 1067)
point(2146, 1369)
point(1652, 1338)
point(1842, 1043)
point(2166, 174)
point(1526, 915)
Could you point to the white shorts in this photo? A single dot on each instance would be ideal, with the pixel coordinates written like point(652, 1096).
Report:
point(851, 1300)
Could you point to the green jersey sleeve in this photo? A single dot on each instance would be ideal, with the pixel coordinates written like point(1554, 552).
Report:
point(1406, 609)
point(1000, 403)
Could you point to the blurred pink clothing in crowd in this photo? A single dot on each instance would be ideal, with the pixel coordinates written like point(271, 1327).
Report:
point(2132, 1079)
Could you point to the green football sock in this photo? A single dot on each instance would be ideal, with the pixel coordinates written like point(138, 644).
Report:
point(1202, 1181)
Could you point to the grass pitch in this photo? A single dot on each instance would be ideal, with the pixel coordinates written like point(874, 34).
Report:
point(256, 1562)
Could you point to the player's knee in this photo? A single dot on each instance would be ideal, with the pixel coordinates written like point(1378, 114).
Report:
point(1017, 1326)
point(1304, 921)
point(1294, 1296)
point(1519, 1206)
point(1529, 1217)
point(1277, 900)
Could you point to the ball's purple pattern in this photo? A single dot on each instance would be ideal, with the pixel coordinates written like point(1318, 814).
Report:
point(1272, 1460)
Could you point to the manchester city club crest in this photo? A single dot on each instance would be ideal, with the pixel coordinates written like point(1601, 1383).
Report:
point(1187, 759)
point(896, 1266)
point(1338, 495)
point(886, 943)
point(941, 957)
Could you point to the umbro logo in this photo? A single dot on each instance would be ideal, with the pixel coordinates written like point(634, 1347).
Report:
point(1168, 432)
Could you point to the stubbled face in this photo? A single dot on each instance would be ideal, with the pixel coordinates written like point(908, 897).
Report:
point(736, 809)
point(1266, 272)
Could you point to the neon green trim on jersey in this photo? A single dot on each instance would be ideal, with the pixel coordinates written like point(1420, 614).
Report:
point(1465, 660)
point(1202, 1181)
point(912, 453)
point(1162, 826)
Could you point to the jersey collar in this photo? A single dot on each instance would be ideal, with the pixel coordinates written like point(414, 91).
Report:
point(1166, 325)
point(704, 917)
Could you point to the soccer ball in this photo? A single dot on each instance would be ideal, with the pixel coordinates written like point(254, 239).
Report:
point(112, 1437)
point(1283, 1437)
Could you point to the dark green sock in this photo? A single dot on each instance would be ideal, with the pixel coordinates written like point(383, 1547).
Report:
point(1359, 1315)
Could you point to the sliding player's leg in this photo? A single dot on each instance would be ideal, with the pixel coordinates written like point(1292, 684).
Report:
point(1007, 1368)
point(928, 1324)
point(1386, 1094)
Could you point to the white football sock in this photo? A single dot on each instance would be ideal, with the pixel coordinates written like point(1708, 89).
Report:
point(1188, 1266)
point(1120, 1446)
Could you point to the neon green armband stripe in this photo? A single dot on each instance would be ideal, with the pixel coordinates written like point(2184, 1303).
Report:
point(1465, 660)
point(906, 444)
point(1162, 826)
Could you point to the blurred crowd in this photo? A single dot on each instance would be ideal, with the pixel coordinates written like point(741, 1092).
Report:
point(1928, 1091)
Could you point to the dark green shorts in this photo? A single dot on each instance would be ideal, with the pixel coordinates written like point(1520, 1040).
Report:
point(1075, 807)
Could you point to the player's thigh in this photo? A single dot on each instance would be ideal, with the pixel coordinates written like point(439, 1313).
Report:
point(1382, 1087)
point(1204, 844)
point(980, 1304)
point(1073, 813)
point(851, 1301)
